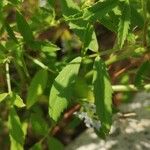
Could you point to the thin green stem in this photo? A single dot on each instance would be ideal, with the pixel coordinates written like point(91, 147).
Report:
point(8, 77)
point(129, 88)
point(39, 63)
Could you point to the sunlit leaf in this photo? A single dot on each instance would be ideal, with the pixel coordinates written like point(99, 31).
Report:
point(3, 96)
point(62, 89)
point(17, 100)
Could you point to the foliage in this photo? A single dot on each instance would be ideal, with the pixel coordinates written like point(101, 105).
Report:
point(54, 46)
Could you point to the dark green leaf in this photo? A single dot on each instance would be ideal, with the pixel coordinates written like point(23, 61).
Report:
point(100, 9)
point(103, 96)
point(62, 89)
point(36, 146)
point(24, 28)
point(142, 74)
point(69, 7)
point(36, 87)
point(10, 32)
point(39, 125)
point(54, 144)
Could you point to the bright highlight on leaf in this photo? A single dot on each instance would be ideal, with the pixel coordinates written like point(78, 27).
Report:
point(62, 89)
point(103, 96)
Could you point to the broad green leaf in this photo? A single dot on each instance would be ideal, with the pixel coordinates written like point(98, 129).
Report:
point(15, 131)
point(62, 89)
point(3, 96)
point(69, 7)
point(142, 74)
point(36, 87)
point(24, 28)
point(39, 125)
point(103, 96)
point(17, 100)
point(54, 144)
point(124, 24)
point(10, 32)
point(99, 9)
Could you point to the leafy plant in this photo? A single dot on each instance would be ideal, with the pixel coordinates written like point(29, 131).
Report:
point(51, 61)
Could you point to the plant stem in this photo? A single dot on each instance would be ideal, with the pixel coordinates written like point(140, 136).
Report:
point(144, 6)
point(8, 77)
point(39, 63)
point(129, 88)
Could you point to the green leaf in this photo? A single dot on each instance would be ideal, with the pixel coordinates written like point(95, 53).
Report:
point(44, 46)
point(108, 23)
point(136, 18)
point(15, 131)
point(62, 89)
point(124, 24)
point(142, 74)
point(103, 96)
point(69, 7)
point(54, 144)
point(90, 39)
point(99, 9)
point(39, 125)
point(3, 96)
point(24, 28)
point(37, 87)
point(36, 146)
point(17, 100)
point(10, 32)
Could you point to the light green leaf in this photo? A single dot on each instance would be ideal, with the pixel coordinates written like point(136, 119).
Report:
point(37, 87)
point(142, 74)
point(124, 24)
point(17, 100)
point(103, 96)
point(15, 131)
point(24, 28)
point(3, 96)
point(62, 89)
point(90, 40)
point(54, 144)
